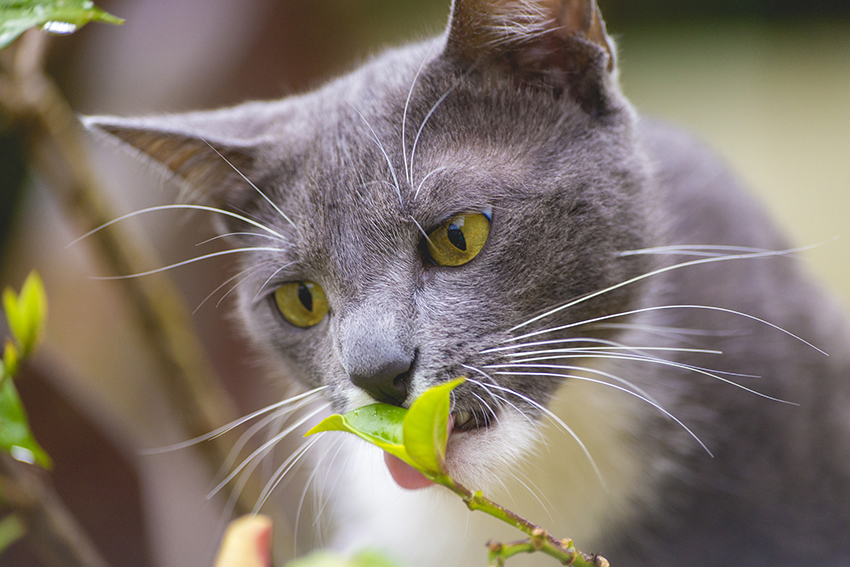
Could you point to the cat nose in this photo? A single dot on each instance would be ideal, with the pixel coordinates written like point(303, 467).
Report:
point(376, 351)
point(388, 382)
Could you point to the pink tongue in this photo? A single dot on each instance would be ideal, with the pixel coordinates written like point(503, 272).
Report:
point(406, 476)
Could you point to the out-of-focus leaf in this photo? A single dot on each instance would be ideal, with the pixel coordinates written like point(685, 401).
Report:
point(247, 543)
point(57, 16)
point(417, 436)
point(11, 530)
point(331, 559)
point(15, 435)
point(26, 313)
point(426, 427)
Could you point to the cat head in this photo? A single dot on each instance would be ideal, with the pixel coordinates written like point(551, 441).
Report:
point(422, 217)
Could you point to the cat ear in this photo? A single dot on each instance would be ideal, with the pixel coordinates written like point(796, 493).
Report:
point(559, 43)
point(208, 153)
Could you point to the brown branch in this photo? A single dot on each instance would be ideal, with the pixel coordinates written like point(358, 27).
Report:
point(55, 139)
point(57, 538)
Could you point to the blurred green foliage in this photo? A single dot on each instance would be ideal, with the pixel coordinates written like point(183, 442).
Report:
point(26, 314)
point(57, 16)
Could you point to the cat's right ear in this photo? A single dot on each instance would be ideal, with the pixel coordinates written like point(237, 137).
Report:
point(210, 154)
point(559, 44)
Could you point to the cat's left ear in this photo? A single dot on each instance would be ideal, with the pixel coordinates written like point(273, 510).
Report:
point(561, 44)
point(208, 153)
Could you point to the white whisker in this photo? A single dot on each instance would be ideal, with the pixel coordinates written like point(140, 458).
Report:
point(229, 234)
point(259, 426)
point(655, 273)
point(609, 349)
point(661, 308)
point(248, 272)
point(190, 261)
point(383, 151)
point(614, 377)
point(620, 388)
point(277, 438)
point(560, 354)
point(180, 207)
point(280, 473)
point(251, 183)
point(533, 494)
point(424, 179)
point(323, 502)
point(484, 405)
point(404, 117)
point(425, 121)
point(663, 331)
point(233, 424)
point(555, 419)
point(306, 489)
point(694, 250)
point(680, 365)
point(422, 230)
point(609, 345)
point(270, 278)
point(498, 398)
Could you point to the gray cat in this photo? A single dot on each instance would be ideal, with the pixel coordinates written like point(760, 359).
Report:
point(645, 361)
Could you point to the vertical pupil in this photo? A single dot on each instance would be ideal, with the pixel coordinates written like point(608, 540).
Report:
point(305, 296)
point(456, 237)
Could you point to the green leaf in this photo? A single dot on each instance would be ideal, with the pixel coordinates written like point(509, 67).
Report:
point(426, 427)
point(11, 530)
point(381, 425)
point(15, 435)
point(417, 436)
point(26, 313)
point(58, 16)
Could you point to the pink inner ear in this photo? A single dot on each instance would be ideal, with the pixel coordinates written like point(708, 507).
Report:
point(557, 44)
point(582, 18)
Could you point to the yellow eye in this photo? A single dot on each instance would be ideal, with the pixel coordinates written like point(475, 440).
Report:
point(303, 304)
point(459, 239)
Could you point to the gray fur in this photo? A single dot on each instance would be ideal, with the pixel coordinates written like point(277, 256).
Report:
point(537, 129)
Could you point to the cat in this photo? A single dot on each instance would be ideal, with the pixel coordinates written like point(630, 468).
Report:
point(647, 367)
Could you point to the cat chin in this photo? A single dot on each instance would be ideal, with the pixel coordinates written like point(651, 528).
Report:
point(479, 457)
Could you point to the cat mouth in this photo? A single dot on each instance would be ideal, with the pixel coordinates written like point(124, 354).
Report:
point(460, 421)
point(470, 420)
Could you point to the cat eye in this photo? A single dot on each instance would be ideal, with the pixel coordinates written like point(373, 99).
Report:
point(459, 239)
point(303, 304)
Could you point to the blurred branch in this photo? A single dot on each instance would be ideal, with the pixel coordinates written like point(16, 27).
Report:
point(58, 539)
point(55, 141)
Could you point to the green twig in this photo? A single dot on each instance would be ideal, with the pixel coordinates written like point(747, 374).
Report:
point(539, 540)
point(57, 538)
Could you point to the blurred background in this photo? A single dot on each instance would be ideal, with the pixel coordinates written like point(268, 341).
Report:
point(766, 83)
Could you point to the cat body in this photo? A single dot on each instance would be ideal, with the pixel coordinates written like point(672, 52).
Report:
point(630, 326)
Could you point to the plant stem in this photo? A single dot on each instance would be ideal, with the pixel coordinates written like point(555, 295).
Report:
point(539, 540)
point(35, 104)
point(57, 537)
